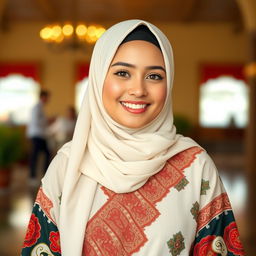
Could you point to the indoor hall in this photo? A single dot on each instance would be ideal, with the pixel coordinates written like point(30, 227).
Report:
point(213, 96)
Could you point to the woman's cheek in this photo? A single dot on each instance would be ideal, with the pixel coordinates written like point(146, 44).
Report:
point(160, 93)
point(113, 89)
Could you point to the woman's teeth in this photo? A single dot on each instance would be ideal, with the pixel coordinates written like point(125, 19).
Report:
point(133, 106)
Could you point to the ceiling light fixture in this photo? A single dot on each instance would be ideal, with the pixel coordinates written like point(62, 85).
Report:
point(70, 35)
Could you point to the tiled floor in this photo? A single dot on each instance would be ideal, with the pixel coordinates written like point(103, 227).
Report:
point(15, 209)
point(16, 203)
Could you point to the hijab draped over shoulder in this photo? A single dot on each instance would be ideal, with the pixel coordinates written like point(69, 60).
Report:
point(107, 153)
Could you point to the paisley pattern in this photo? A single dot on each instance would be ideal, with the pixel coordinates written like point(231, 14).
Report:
point(219, 236)
point(219, 246)
point(41, 249)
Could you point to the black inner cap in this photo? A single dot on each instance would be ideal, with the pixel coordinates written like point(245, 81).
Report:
point(142, 33)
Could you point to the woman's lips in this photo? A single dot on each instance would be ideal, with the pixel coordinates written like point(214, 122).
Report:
point(137, 107)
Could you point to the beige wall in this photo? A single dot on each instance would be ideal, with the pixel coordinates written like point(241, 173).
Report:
point(193, 45)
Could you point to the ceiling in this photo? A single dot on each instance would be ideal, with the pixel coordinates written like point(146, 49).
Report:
point(116, 10)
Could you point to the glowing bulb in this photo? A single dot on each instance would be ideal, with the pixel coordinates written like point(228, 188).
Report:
point(67, 30)
point(56, 31)
point(91, 31)
point(81, 30)
point(45, 33)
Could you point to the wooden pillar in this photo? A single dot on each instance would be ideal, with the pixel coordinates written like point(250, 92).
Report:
point(250, 70)
point(248, 10)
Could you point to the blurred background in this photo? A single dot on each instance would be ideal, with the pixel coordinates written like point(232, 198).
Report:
point(47, 44)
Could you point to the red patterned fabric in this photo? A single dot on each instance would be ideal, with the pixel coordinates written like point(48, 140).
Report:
point(118, 227)
point(55, 241)
point(42, 235)
point(33, 231)
point(211, 210)
point(232, 240)
point(45, 203)
point(204, 247)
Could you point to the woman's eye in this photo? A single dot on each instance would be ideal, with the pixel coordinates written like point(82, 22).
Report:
point(122, 73)
point(155, 77)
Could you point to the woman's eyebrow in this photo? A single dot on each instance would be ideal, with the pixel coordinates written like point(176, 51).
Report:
point(125, 64)
point(156, 67)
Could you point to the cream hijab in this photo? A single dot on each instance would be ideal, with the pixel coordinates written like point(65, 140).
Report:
point(102, 151)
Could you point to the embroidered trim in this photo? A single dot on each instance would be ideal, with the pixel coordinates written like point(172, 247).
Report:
point(118, 226)
point(44, 203)
point(215, 207)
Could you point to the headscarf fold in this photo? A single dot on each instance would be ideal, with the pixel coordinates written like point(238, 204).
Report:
point(107, 153)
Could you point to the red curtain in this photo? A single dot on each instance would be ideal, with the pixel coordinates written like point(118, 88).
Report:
point(82, 71)
point(25, 69)
point(212, 71)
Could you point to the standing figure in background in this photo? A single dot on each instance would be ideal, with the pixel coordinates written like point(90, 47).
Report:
point(61, 130)
point(36, 132)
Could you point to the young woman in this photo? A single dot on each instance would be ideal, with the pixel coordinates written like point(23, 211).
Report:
point(127, 184)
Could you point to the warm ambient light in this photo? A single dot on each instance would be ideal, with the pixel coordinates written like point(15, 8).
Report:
point(68, 34)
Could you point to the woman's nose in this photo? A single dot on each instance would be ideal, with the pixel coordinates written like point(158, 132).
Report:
point(138, 88)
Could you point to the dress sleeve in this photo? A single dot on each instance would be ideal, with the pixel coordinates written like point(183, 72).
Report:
point(217, 232)
point(42, 236)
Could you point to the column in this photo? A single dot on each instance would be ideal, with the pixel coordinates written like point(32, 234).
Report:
point(248, 9)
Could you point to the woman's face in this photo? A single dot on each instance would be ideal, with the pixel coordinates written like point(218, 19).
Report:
point(135, 86)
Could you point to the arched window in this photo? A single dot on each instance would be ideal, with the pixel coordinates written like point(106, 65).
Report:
point(17, 96)
point(223, 102)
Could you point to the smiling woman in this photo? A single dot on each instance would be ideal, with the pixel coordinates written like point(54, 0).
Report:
point(127, 184)
point(134, 90)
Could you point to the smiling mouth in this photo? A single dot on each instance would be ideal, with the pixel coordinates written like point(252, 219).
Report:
point(135, 108)
point(133, 105)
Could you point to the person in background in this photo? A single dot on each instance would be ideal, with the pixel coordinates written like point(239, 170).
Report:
point(37, 133)
point(61, 130)
point(128, 184)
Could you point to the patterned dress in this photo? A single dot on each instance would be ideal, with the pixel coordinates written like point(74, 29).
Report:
point(182, 210)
